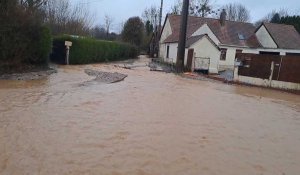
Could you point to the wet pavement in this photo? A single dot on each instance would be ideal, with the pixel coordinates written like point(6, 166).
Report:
point(152, 123)
point(28, 76)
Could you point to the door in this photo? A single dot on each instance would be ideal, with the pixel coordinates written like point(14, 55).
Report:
point(190, 58)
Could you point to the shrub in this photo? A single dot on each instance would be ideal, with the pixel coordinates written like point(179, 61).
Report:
point(24, 42)
point(133, 31)
point(41, 45)
point(87, 50)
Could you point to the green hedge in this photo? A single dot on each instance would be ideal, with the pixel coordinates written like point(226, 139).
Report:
point(87, 50)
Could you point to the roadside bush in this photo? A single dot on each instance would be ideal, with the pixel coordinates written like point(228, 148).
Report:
point(24, 42)
point(41, 46)
point(87, 50)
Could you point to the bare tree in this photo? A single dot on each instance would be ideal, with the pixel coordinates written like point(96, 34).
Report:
point(151, 14)
point(62, 18)
point(57, 15)
point(282, 13)
point(120, 27)
point(99, 32)
point(33, 3)
point(237, 12)
point(108, 22)
point(175, 9)
point(201, 8)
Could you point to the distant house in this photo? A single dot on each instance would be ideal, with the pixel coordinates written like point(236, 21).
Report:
point(213, 43)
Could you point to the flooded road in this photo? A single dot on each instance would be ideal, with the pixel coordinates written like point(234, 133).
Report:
point(152, 123)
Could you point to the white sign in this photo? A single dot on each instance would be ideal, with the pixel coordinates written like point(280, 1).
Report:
point(68, 43)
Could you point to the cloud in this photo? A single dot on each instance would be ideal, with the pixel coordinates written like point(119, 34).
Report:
point(121, 10)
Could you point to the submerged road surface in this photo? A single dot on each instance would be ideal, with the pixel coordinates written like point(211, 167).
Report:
point(152, 123)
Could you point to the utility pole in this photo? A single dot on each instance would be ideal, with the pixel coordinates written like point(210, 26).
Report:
point(159, 28)
point(182, 36)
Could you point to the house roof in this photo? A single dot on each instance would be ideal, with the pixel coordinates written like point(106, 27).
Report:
point(285, 36)
point(193, 25)
point(253, 42)
point(227, 34)
point(192, 40)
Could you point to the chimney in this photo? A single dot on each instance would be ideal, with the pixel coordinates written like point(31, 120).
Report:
point(223, 17)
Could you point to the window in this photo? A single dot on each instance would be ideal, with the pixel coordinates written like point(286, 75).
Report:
point(168, 50)
point(223, 54)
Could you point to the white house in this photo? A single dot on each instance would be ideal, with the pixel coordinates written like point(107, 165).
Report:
point(213, 43)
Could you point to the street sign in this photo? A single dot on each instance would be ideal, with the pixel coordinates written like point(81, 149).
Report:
point(68, 43)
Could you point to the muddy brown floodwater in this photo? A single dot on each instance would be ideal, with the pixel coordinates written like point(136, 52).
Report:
point(152, 123)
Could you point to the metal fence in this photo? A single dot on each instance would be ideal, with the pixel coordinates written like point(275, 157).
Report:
point(280, 68)
point(201, 63)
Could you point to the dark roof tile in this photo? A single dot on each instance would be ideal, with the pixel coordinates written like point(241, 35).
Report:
point(253, 42)
point(227, 34)
point(285, 36)
point(190, 41)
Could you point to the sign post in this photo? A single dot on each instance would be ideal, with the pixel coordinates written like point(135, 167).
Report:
point(68, 44)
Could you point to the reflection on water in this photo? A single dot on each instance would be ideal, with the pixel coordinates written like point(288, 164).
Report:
point(12, 84)
point(152, 123)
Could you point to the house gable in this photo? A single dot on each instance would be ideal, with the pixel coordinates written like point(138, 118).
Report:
point(167, 30)
point(285, 36)
point(205, 30)
point(206, 48)
point(265, 38)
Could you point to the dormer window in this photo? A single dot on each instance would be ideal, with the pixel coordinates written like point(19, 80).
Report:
point(241, 36)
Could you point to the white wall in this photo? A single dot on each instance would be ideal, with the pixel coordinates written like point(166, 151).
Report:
point(205, 49)
point(204, 29)
point(248, 50)
point(267, 83)
point(172, 52)
point(264, 38)
point(185, 56)
point(167, 31)
point(230, 58)
point(162, 51)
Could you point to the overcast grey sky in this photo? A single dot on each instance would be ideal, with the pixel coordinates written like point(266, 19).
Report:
point(121, 10)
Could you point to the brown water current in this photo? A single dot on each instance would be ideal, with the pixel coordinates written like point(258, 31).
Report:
point(152, 123)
